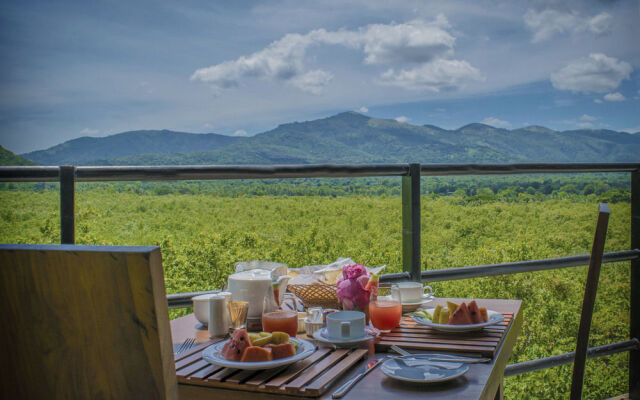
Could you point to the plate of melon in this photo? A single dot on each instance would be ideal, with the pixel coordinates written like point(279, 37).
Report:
point(262, 350)
point(454, 317)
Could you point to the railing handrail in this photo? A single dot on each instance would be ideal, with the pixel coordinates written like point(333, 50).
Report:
point(219, 172)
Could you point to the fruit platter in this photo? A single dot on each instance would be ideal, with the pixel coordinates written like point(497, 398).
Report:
point(262, 350)
point(456, 317)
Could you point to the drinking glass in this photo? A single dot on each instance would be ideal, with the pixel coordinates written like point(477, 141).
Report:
point(238, 314)
point(275, 318)
point(385, 308)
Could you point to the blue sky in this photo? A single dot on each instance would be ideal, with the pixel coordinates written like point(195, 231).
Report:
point(72, 69)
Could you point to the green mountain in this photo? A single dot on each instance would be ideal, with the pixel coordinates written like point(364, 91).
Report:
point(9, 158)
point(91, 150)
point(351, 138)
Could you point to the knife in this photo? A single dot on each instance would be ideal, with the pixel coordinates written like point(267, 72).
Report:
point(342, 390)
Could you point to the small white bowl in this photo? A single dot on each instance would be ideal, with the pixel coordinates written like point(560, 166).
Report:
point(201, 307)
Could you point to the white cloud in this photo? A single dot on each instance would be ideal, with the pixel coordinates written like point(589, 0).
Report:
point(585, 125)
point(596, 73)
point(207, 125)
point(548, 23)
point(87, 131)
point(433, 76)
point(614, 97)
point(402, 119)
point(495, 122)
point(363, 109)
point(313, 81)
point(598, 101)
point(240, 132)
point(587, 117)
point(426, 44)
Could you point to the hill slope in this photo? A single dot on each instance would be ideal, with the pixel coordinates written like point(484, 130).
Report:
point(351, 138)
point(89, 150)
point(9, 158)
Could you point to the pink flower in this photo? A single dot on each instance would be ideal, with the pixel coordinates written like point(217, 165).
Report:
point(351, 287)
point(354, 271)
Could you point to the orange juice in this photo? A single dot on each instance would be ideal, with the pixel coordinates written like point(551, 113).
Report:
point(385, 314)
point(281, 321)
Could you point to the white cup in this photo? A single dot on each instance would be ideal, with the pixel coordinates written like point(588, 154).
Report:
point(345, 325)
point(414, 292)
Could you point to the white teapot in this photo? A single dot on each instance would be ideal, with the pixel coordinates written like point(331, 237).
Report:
point(252, 286)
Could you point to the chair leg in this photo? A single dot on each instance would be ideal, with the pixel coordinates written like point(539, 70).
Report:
point(590, 290)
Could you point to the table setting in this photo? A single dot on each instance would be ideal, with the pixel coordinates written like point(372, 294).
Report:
point(258, 341)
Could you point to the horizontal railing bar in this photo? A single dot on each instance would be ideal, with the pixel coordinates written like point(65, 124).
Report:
point(183, 300)
point(448, 274)
point(524, 168)
point(567, 358)
point(29, 174)
point(217, 172)
point(395, 277)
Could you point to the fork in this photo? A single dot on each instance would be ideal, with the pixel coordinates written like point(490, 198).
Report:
point(186, 345)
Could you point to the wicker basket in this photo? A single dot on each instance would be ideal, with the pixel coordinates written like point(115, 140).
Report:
point(316, 295)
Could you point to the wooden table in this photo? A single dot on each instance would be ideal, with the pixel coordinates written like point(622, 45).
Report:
point(482, 381)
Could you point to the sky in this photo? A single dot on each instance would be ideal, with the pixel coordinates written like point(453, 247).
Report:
point(71, 69)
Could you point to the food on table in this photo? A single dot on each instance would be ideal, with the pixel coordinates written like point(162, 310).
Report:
point(282, 350)
point(373, 283)
point(452, 306)
point(483, 312)
point(443, 318)
point(476, 317)
point(233, 350)
point(461, 316)
point(256, 354)
point(331, 277)
point(281, 321)
point(279, 337)
point(258, 346)
point(436, 313)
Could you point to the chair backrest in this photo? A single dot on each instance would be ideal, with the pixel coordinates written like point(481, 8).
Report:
point(84, 322)
point(597, 250)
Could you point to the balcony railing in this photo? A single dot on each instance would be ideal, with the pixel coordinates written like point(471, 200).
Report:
point(412, 269)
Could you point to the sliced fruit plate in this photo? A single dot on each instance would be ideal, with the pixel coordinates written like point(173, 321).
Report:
point(458, 320)
point(214, 355)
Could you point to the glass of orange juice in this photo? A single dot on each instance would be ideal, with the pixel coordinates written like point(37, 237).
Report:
point(275, 318)
point(385, 308)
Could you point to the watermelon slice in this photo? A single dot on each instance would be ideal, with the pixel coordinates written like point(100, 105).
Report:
point(282, 350)
point(461, 316)
point(256, 354)
point(476, 317)
point(235, 347)
point(374, 280)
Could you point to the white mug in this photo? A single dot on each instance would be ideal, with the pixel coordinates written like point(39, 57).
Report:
point(345, 325)
point(414, 292)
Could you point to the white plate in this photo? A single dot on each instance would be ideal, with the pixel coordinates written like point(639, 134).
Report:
point(428, 373)
point(321, 336)
point(494, 318)
point(212, 355)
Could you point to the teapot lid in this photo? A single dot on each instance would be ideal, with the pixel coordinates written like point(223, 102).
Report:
point(252, 275)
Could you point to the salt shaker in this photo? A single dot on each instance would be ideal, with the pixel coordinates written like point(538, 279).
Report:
point(218, 323)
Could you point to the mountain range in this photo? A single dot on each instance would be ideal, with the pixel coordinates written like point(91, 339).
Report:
point(348, 137)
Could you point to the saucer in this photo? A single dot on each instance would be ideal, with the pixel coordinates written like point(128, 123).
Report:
point(412, 306)
point(321, 336)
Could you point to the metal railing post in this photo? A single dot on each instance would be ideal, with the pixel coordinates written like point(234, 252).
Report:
point(634, 319)
point(411, 222)
point(67, 204)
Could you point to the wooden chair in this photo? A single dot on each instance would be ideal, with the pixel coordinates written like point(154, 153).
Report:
point(597, 250)
point(84, 322)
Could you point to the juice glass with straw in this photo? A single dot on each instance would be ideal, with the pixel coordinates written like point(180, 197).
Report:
point(385, 308)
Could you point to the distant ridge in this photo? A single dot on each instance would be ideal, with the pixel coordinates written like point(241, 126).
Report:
point(349, 137)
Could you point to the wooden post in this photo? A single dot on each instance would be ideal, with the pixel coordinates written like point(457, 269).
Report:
point(67, 204)
point(411, 222)
point(634, 319)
